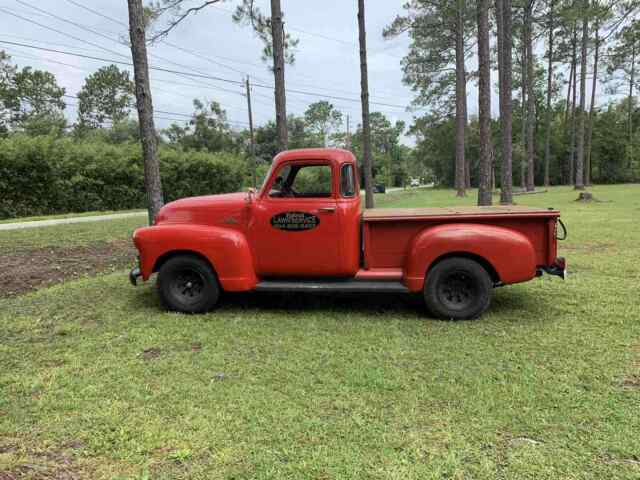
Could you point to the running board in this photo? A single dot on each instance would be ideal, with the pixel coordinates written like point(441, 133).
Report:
point(331, 286)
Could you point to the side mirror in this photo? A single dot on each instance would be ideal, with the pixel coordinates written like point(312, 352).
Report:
point(250, 194)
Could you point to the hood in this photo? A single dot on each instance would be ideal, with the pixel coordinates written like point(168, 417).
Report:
point(224, 209)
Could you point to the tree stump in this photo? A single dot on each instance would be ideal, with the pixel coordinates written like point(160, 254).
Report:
point(585, 197)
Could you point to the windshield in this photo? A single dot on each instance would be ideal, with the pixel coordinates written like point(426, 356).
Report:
point(266, 177)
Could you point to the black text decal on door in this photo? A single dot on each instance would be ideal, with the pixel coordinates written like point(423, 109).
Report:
point(295, 221)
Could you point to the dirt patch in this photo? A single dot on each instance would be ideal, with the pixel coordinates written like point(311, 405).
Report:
point(516, 442)
point(151, 353)
point(591, 247)
point(44, 465)
point(28, 270)
point(631, 382)
point(7, 449)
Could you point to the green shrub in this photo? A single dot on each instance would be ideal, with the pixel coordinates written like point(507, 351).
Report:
point(46, 175)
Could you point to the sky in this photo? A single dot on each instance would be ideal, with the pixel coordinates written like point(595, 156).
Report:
point(210, 44)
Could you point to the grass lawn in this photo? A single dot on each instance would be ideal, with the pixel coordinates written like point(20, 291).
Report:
point(71, 235)
point(66, 215)
point(97, 382)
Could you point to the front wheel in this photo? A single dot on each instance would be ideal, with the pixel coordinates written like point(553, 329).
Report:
point(187, 284)
point(457, 289)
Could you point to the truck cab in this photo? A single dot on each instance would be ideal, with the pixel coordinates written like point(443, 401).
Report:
point(310, 205)
point(304, 230)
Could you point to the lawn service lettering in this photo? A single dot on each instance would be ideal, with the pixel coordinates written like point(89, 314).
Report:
point(295, 221)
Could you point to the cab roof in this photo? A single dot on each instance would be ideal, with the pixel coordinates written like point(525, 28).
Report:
point(335, 155)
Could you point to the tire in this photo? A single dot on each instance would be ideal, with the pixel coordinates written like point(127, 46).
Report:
point(458, 289)
point(187, 284)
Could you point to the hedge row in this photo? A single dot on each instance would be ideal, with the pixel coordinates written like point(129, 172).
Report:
point(43, 175)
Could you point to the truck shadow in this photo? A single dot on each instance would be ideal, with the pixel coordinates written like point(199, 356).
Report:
point(503, 303)
point(509, 303)
point(319, 302)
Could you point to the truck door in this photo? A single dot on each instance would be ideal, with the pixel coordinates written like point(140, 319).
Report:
point(295, 226)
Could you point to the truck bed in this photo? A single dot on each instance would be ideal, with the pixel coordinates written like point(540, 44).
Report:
point(388, 214)
point(388, 232)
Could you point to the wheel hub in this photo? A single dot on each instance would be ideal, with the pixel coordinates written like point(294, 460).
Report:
point(188, 285)
point(457, 291)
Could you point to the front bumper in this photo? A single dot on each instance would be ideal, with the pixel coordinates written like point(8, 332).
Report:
point(134, 274)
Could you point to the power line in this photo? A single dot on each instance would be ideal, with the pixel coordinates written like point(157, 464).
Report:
point(313, 34)
point(120, 62)
point(197, 75)
point(172, 45)
point(208, 58)
point(94, 32)
point(299, 102)
point(199, 55)
point(164, 112)
point(321, 35)
point(46, 42)
point(65, 20)
point(106, 17)
point(62, 33)
point(155, 80)
point(159, 117)
point(226, 107)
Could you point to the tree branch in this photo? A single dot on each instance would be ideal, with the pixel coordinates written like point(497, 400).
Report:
point(175, 22)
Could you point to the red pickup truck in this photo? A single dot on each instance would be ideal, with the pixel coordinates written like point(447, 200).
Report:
point(305, 231)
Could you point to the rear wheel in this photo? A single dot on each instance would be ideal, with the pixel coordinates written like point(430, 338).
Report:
point(187, 284)
point(458, 289)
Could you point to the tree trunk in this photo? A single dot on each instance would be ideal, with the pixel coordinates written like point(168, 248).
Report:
point(467, 159)
point(583, 99)
point(461, 99)
point(587, 174)
point(531, 104)
point(631, 88)
point(148, 136)
point(493, 170)
point(366, 127)
point(523, 169)
point(572, 146)
point(484, 104)
point(567, 107)
point(547, 139)
point(506, 111)
point(277, 32)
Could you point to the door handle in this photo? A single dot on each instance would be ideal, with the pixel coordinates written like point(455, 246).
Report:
point(327, 210)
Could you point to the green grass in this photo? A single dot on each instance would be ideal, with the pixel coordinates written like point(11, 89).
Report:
point(70, 235)
point(65, 215)
point(545, 385)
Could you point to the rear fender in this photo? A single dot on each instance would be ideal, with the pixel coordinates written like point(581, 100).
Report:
point(226, 249)
point(510, 253)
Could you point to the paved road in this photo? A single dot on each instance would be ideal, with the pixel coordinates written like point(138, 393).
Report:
point(400, 189)
point(65, 221)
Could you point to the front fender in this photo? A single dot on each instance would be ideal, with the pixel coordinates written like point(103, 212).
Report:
point(226, 249)
point(509, 252)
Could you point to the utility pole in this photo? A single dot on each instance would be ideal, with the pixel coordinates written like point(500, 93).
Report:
point(253, 143)
point(348, 132)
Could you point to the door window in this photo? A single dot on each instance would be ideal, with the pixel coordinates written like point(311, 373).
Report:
point(302, 181)
point(348, 181)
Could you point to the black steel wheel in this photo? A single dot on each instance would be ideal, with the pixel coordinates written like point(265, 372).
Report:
point(457, 289)
point(187, 284)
